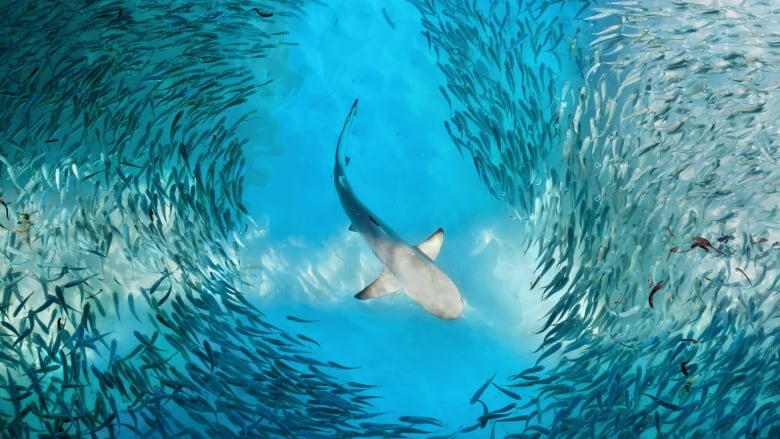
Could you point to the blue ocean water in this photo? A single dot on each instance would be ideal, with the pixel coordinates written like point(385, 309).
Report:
point(176, 261)
point(404, 167)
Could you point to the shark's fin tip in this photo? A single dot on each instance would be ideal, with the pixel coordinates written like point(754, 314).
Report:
point(431, 246)
point(384, 285)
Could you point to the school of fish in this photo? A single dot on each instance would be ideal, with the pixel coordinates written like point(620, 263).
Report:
point(121, 178)
point(634, 142)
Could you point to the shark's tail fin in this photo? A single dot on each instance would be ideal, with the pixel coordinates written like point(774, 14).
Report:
point(341, 159)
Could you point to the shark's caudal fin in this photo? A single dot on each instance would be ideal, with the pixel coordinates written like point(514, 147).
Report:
point(387, 284)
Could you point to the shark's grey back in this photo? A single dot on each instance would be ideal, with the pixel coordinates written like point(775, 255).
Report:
point(407, 268)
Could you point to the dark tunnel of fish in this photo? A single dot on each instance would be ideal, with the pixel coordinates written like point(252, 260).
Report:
point(120, 159)
point(651, 170)
point(622, 177)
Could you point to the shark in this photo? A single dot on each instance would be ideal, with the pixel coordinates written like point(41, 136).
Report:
point(407, 268)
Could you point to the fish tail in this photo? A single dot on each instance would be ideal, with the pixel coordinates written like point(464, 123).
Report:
point(341, 160)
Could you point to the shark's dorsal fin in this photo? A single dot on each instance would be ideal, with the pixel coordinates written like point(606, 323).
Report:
point(383, 285)
point(431, 246)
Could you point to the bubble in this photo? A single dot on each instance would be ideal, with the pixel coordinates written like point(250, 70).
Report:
point(503, 194)
point(538, 182)
point(597, 198)
point(556, 125)
point(597, 165)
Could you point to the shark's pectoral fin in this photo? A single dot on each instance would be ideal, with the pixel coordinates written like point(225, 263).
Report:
point(431, 246)
point(352, 228)
point(383, 285)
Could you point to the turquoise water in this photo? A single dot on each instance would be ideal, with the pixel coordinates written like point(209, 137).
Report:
point(404, 167)
point(176, 261)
